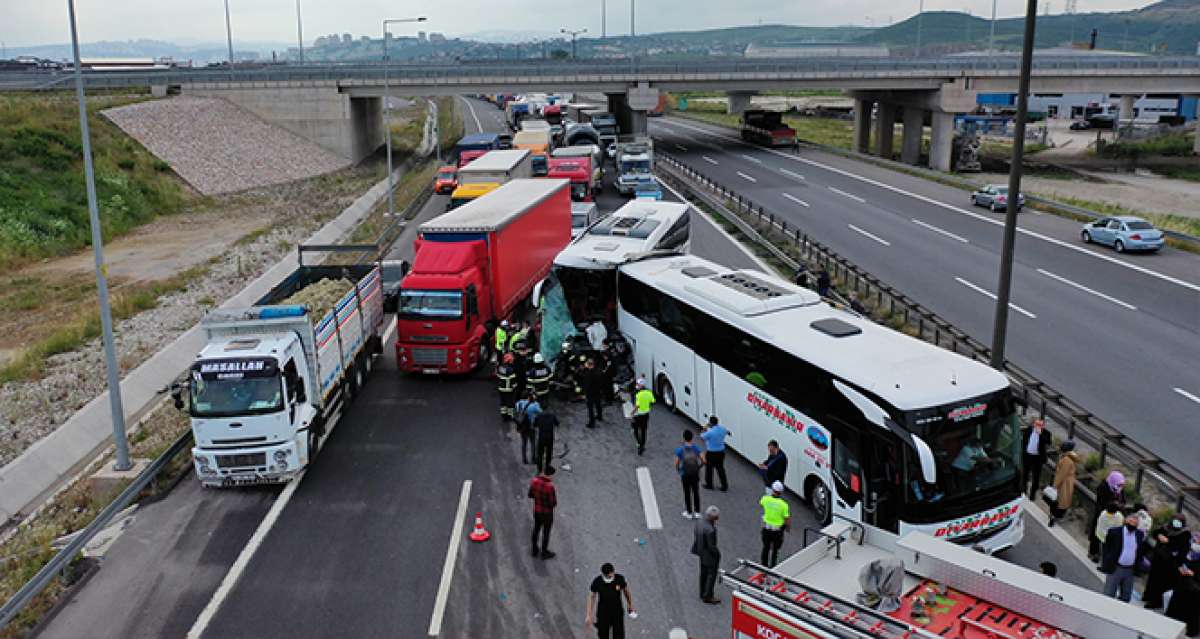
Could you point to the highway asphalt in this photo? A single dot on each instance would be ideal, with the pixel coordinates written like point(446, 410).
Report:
point(1116, 333)
point(361, 547)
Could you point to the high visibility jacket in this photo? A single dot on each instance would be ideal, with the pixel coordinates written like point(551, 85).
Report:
point(642, 400)
point(501, 339)
point(775, 511)
point(506, 378)
point(517, 337)
point(538, 377)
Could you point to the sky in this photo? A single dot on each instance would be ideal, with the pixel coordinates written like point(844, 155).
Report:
point(35, 22)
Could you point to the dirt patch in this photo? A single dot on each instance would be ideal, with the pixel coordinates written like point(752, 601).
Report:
point(1137, 193)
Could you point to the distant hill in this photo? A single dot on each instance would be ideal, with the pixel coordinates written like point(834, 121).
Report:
point(200, 53)
point(1169, 26)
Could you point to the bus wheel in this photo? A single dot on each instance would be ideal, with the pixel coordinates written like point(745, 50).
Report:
point(667, 392)
point(818, 498)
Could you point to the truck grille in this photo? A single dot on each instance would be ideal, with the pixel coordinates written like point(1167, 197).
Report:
point(429, 338)
point(429, 356)
point(239, 461)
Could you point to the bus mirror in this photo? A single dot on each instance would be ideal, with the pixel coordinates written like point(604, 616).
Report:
point(870, 410)
point(536, 297)
point(925, 456)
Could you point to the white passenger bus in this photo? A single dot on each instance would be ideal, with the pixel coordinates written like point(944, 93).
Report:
point(877, 426)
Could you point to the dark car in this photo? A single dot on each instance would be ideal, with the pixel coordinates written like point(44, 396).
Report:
point(505, 140)
point(1080, 125)
point(392, 272)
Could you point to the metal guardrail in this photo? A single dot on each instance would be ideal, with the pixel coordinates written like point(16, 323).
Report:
point(63, 557)
point(609, 69)
point(1064, 417)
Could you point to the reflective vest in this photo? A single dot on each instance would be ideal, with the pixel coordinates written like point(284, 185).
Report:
point(501, 339)
point(775, 512)
point(517, 338)
point(506, 378)
point(538, 377)
point(643, 400)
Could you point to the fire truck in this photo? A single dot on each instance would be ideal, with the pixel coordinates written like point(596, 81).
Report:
point(858, 582)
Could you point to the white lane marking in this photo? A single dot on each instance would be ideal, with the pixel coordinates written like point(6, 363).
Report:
point(747, 177)
point(456, 535)
point(849, 195)
point(870, 235)
point(795, 199)
point(681, 147)
point(475, 117)
point(987, 293)
point(751, 158)
point(1086, 289)
point(709, 160)
point(1187, 395)
point(950, 207)
point(766, 268)
point(942, 231)
point(669, 130)
point(649, 501)
point(791, 174)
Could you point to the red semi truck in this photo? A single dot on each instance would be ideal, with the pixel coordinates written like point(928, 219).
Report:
point(472, 267)
point(579, 171)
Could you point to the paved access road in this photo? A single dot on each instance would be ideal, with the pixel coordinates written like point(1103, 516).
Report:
point(1116, 333)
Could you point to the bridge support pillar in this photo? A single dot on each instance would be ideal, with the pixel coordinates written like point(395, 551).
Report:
point(885, 129)
point(1126, 112)
point(739, 101)
point(941, 143)
point(862, 124)
point(914, 130)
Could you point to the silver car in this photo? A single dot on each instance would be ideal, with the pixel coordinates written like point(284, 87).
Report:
point(1123, 233)
point(995, 197)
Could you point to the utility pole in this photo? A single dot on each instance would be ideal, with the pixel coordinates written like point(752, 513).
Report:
point(89, 175)
point(573, 34)
point(387, 113)
point(228, 33)
point(632, 31)
point(299, 32)
point(992, 37)
point(1004, 290)
point(603, 19)
point(920, 14)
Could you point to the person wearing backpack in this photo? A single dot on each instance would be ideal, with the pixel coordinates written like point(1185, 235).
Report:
point(687, 462)
point(527, 411)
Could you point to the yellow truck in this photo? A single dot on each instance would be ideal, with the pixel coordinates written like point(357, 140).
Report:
point(537, 142)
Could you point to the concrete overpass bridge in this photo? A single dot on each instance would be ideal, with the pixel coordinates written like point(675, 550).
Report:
point(339, 106)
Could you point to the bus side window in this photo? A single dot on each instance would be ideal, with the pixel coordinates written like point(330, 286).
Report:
point(675, 236)
point(676, 320)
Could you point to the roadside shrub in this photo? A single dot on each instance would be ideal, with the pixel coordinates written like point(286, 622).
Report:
point(1091, 462)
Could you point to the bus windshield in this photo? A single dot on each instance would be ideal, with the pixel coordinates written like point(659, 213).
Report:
point(431, 305)
point(976, 446)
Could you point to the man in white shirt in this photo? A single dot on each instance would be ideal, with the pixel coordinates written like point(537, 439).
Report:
point(1035, 443)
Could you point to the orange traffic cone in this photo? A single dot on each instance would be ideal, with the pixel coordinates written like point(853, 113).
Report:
point(480, 533)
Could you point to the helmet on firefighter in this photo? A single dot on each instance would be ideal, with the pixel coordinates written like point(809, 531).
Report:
point(537, 358)
point(508, 358)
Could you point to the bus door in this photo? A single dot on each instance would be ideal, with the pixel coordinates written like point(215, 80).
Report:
point(885, 486)
point(674, 365)
point(849, 483)
point(705, 404)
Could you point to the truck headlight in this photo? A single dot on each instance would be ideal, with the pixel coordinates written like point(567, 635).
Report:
point(202, 462)
point(281, 457)
point(457, 360)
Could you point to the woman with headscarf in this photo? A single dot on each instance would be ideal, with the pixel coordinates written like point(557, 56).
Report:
point(1185, 600)
point(1107, 492)
point(1169, 546)
point(1064, 480)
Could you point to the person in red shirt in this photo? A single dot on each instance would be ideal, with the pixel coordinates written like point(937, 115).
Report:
point(541, 491)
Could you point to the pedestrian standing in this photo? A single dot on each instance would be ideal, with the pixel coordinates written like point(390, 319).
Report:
point(776, 518)
point(1035, 444)
point(704, 546)
point(714, 452)
point(774, 467)
point(1108, 491)
point(545, 499)
point(506, 384)
point(1169, 546)
point(527, 411)
point(687, 464)
point(1122, 553)
point(824, 282)
point(802, 278)
point(537, 378)
point(1109, 519)
point(593, 390)
point(1185, 600)
point(1064, 481)
point(604, 603)
point(501, 337)
point(643, 399)
point(544, 427)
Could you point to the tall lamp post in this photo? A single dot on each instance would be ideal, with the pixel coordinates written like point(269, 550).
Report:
point(992, 35)
point(89, 175)
point(603, 19)
point(1004, 290)
point(299, 32)
point(387, 112)
point(573, 35)
point(229, 34)
point(920, 14)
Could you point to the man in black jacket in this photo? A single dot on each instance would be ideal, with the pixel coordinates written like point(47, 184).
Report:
point(592, 380)
point(1035, 442)
point(1122, 554)
point(704, 545)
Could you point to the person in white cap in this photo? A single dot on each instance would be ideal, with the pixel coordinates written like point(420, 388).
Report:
point(775, 519)
point(643, 399)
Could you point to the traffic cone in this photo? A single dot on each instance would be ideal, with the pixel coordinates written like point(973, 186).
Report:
point(480, 533)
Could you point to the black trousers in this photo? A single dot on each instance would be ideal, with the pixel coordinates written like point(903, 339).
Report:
point(640, 422)
point(542, 522)
point(507, 400)
point(708, 581)
point(716, 461)
point(610, 626)
point(544, 452)
point(528, 443)
point(772, 541)
point(595, 405)
point(1033, 467)
point(691, 493)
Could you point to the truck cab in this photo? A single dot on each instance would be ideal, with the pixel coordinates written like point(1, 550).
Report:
point(579, 171)
point(635, 161)
point(469, 192)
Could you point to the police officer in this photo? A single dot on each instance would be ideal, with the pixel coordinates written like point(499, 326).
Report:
point(537, 378)
point(506, 383)
point(775, 519)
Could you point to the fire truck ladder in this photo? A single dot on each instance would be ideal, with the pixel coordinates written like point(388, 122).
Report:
point(832, 614)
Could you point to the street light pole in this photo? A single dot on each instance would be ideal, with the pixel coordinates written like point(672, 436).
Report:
point(229, 34)
point(632, 32)
point(603, 19)
point(992, 37)
point(920, 14)
point(1004, 289)
point(573, 34)
point(387, 113)
point(299, 32)
point(89, 175)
